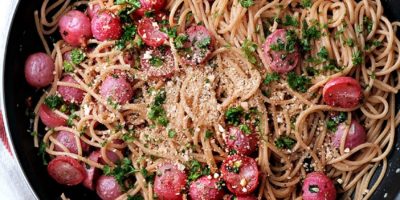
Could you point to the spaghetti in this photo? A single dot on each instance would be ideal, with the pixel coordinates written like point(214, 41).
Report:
point(344, 38)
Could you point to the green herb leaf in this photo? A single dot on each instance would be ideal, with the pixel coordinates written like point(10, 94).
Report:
point(208, 134)
point(136, 197)
point(204, 43)
point(42, 152)
point(121, 171)
point(245, 129)
point(68, 67)
point(112, 103)
point(156, 61)
point(171, 32)
point(271, 77)
point(157, 112)
point(147, 175)
point(77, 56)
point(233, 115)
point(196, 170)
point(127, 36)
point(323, 53)
point(306, 3)
point(70, 121)
point(290, 21)
point(357, 58)
point(249, 48)
point(285, 142)
point(298, 83)
point(180, 41)
point(53, 101)
point(246, 3)
point(350, 42)
point(333, 122)
point(171, 133)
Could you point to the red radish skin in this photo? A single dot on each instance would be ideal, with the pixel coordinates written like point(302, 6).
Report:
point(317, 186)
point(243, 143)
point(39, 68)
point(92, 9)
point(247, 197)
point(240, 174)
point(75, 28)
point(149, 31)
point(66, 170)
point(166, 70)
point(50, 118)
point(198, 55)
point(342, 92)
point(280, 61)
point(205, 188)
point(354, 137)
point(92, 173)
point(170, 182)
point(68, 140)
point(117, 89)
point(108, 188)
point(113, 157)
point(71, 94)
point(149, 6)
point(106, 26)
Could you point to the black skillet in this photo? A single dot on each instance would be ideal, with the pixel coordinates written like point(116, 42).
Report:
point(23, 40)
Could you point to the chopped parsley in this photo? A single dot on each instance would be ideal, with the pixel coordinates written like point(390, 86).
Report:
point(333, 122)
point(196, 170)
point(309, 33)
point(313, 188)
point(374, 43)
point(171, 32)
point(306, 3)
point(70, 120)
point(208, 134)
point(136, 197)
point(53, 101)
point(248, 48)
point(156, 61)
point(285, 142)
point(129, 136)
point(171, 133)
point(289, 46)
point(323, 53)
point(77, 56)
point(121, 171)
point(131, 4)
point(68, 66)
point(331, 67)
point(290, 21)
point(112, 103)
point(357, 58)
point(233, 115)
point(245, 129)
point(350, 42)
point(246, 3)
point(298, 83)
point(157, 112)
point(127, 36)
point(204, 43)
point(147, 175)
point(271, 77)
point(42, 152)
point(180, 41)
point(367, 24)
